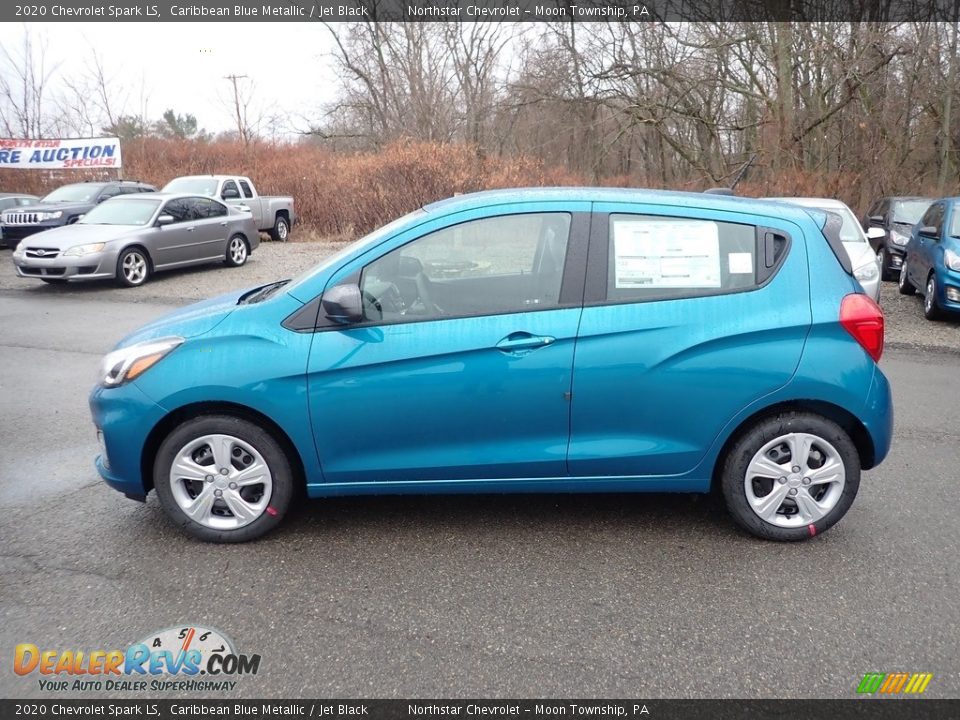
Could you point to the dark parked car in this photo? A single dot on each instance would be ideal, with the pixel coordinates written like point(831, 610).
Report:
point(63, 206)
point(895, 216)
point(9, 201)
point(932, 262)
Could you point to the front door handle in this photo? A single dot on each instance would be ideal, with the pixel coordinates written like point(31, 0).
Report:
point(191, 229)
point(223, 224)
point(524, 341)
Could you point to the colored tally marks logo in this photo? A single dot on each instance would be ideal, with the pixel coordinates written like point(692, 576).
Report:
point(894, 683)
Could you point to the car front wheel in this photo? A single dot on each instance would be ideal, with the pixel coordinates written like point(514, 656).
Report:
point(133, 267)
point(791, 476)
point(223, 479)
point(931, 308)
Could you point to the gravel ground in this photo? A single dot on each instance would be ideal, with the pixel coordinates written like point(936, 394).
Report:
point(906, 326)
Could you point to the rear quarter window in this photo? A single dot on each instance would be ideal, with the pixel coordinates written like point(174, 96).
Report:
point(653, 257)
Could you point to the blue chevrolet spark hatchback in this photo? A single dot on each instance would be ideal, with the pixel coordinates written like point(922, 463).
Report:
point(537, 340)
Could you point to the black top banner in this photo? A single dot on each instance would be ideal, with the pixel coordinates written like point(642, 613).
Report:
point(481, 10)
point(875, 709)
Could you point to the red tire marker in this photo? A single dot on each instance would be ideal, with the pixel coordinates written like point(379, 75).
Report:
point(812, 528)
point(271, 511)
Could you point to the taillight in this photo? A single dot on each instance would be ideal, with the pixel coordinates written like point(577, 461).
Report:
point(863, 318)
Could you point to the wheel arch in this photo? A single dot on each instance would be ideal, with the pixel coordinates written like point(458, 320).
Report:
point(187, 412)
point(844, 418)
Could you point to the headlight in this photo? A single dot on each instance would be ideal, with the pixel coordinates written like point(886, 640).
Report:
point(128, 363)
point(81, 250)
point(899, 238)
point(51, 215)
point(866, 273)
point(951, 260)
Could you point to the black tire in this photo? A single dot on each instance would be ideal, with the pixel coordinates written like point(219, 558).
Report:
point(752, 440)
point(282, 479)
point(883, 257)
point(931, 308)
point(903, 282)
point(233, 256)
point(125, 277)
point(281, 229)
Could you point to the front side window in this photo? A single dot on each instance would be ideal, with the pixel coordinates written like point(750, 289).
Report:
point(177, 209)
point(229, 190)
point(933, 217)
point(653, 258)
point(511, 263)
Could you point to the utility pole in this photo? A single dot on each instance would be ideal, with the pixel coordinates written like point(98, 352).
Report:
point(240, 110)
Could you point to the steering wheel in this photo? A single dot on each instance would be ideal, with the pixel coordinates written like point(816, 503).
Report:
point(370, 301)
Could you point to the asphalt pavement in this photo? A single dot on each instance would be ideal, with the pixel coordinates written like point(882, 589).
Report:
point(576, 596)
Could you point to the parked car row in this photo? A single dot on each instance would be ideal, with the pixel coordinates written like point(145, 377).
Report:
point(127, 230)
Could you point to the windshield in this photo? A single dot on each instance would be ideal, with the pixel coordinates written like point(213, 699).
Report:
point(193, 185)
point(121, 212)
point(371, 239)
point(74, 193)
point(850, 231)
point(909, 212)
point(955, 223)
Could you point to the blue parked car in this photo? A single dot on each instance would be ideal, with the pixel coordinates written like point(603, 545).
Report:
point(932, 261)
point(536, 340)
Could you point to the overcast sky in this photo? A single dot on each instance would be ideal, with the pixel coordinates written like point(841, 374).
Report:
point(182, 65)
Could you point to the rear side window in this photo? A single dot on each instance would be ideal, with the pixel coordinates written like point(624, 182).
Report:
point(654, 258)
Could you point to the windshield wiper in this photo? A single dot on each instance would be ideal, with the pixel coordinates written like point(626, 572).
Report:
point(261, 293)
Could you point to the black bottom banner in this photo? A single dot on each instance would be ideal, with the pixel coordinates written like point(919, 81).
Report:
point(893, 708)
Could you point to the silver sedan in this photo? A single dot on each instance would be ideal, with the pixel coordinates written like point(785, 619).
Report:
point(129, 237)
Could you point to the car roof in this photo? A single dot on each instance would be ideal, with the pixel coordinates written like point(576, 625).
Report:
point(205, 177)
point(160, 196)
point(706, 201)
point(813, 202)
point(909, 197)
point(9, 194)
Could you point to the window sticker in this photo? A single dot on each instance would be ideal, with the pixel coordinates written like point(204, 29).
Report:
point(740, 263)
point(666, 254)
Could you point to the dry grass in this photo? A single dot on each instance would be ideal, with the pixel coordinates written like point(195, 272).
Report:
point(342, 195)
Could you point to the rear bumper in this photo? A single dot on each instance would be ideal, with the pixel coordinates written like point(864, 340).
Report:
point(877, 417)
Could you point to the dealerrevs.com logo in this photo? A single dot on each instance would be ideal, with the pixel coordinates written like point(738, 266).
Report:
point(187, 658)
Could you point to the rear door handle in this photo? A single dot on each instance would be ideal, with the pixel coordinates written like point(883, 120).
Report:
point(524, 341)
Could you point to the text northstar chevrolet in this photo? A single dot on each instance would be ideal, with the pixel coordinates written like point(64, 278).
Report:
point(536, 340)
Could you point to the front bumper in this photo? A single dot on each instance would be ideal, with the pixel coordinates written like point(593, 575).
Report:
point(96, 266)
point(895, 256)
point(126, 417)
point(948, 288)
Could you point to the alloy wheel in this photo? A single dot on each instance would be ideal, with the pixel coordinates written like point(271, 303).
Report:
point(134, 268)
point(238, 251)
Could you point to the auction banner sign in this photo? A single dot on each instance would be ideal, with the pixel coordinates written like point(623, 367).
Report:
point(72, 153)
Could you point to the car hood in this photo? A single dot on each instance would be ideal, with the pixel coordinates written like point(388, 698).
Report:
point(189, 321)
point(67, 236)
point(65, 207)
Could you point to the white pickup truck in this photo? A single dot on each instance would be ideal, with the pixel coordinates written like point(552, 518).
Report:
point(272, 213)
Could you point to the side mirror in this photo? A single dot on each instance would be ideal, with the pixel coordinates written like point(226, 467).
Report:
point(164, 220)
point(875, 233)
point(876, 219)
point(230, 194)
point(929, 231)
point(343, 304)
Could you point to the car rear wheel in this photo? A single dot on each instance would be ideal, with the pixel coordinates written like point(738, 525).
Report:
point(281, 229)
point(931, 308)
point(791, 476)
point(133, 267)
point(903, 283)
point(883, 261)
point(223, 479)
point(237, 251)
